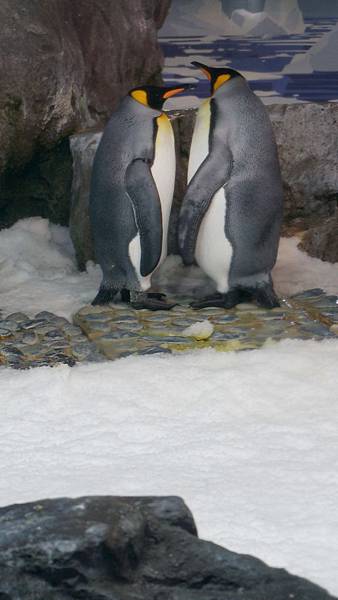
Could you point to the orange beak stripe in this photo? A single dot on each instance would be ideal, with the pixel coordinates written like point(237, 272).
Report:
point(170, 93)
point(206, 73)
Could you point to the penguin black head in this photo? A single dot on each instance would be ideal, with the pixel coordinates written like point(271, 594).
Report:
point(217, 76)
point(154, 96)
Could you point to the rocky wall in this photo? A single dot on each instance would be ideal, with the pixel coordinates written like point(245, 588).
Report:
point(64, 65)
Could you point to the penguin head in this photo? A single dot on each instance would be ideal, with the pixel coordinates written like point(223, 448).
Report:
point(154, 96)
point(217, 76)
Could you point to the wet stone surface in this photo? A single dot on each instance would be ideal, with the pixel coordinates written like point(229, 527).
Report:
point(116, 331)
point(45, 340)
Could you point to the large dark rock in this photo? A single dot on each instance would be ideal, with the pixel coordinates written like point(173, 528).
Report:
point(322, 241)
point(106, 548)
point(65, 65)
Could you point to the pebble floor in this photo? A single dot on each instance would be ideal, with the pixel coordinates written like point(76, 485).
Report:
point(116, 330)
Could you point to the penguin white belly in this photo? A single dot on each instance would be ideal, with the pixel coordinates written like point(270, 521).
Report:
point(213, 251)
point(163, 171)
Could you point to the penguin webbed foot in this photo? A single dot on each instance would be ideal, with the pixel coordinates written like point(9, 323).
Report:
point(265, 296)
point(217, 300)
point(151, 301)
point(104, 296)
point(262, 295)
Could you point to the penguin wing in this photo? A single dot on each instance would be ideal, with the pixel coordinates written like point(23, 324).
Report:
point(213, 173)
point(146, 202)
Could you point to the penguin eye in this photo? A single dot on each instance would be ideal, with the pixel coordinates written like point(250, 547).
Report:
point(220, 80)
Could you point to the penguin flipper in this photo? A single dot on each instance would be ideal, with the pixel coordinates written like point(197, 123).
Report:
point(147, 206)
point(213, 173)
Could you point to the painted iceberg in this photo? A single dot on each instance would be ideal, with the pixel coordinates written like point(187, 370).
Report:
point(196, 17)
point(323, 56)
point(278, 18)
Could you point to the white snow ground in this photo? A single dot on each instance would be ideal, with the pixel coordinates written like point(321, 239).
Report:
point(249, 440)
point(38, 271)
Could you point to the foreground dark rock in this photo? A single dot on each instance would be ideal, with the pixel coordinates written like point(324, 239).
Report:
point(110, 548)
point(66, 65)
point(322, 241)
point(308, 157)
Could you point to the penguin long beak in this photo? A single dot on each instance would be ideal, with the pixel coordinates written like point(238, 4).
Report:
point(176, 90)
point(206, 70)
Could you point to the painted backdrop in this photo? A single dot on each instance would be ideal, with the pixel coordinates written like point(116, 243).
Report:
point(287, 49)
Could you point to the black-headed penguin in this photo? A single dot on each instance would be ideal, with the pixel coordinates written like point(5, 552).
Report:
point(131, 195)
point(232, 212)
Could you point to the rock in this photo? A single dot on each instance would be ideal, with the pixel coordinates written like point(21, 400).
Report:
point(67, 65)
point(83, 148)
point(322, 241)
point(307, 140)
point(105, 548)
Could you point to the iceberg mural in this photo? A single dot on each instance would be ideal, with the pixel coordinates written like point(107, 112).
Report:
point(277, 19)
point(287, 49)
point(201, 17)
point(323, 56)
point(196, 17)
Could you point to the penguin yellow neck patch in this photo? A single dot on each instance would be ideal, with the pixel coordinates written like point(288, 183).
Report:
point(220, 80)
point(140, 96)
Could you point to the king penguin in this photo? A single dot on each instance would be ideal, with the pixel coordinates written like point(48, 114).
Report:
point(231, 215)
point(131, 194)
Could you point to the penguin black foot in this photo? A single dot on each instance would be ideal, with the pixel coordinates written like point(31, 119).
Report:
point(228, 300)
point(104, 296)
point(151, 301)
point(125, 295)
point(265, 296)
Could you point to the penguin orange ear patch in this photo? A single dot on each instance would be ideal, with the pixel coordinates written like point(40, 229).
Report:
point(140, 96)
point(220, 80)
point(206, 73)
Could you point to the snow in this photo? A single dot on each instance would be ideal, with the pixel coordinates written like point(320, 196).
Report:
point(322, 56)
point(38, 271)
point(247, 439)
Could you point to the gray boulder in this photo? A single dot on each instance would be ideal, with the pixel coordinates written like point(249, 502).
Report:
point(307, 140)
point(106, 548)
point(65, 67)
point(322, 241)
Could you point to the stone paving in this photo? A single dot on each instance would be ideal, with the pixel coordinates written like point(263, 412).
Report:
point(45, 340)
point(116, 330)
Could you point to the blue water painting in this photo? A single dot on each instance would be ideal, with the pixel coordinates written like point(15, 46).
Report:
point(299, 67)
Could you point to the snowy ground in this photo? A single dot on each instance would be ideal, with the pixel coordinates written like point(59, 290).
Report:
point(38, 271)
point(248, 440)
